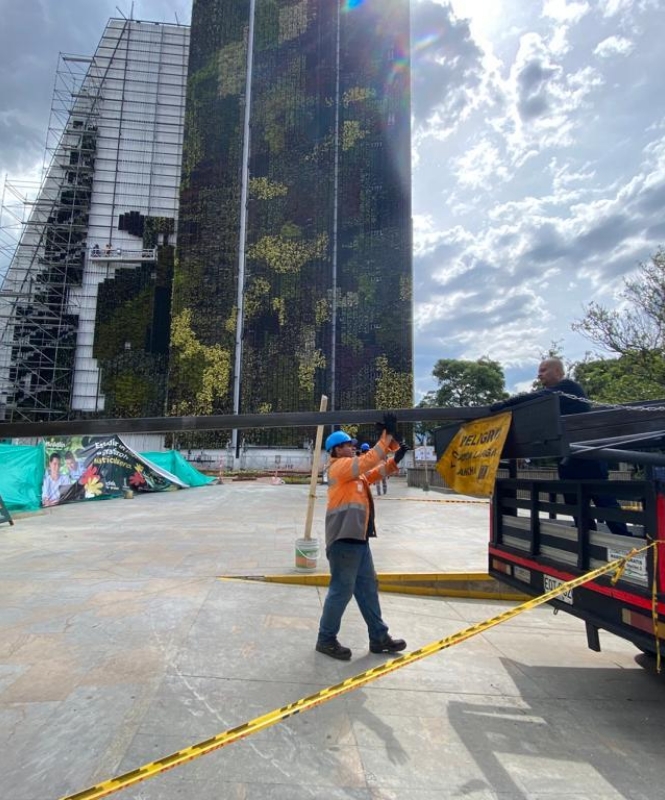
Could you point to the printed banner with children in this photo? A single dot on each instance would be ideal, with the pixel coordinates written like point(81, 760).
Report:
point(90, 467)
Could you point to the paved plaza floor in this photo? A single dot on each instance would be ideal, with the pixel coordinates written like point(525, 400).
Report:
point(120, 644)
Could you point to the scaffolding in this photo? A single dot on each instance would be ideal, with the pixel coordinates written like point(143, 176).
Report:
point(112, 161)
point(16, 198)
point(38, 326)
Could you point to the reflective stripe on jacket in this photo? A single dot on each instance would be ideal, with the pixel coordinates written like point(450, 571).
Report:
point(349, 497)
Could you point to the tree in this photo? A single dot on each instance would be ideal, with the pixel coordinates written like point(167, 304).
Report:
point(636, 333)
point(424, 431)
point(615, 380)
point(469, 383)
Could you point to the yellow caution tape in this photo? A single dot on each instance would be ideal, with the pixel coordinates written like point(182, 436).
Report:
point(154, 768)
point(432, 500)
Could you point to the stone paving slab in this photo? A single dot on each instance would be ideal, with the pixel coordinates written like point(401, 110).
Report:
point(120, 645)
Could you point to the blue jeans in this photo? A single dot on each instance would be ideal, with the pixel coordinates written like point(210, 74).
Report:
point(351, 575)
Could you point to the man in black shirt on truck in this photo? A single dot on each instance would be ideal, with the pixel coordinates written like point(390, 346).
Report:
point(572, 400)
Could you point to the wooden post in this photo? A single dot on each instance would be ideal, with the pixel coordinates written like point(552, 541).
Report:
point(316, 459)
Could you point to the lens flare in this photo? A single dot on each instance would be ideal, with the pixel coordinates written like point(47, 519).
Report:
point(426, 41)
point(349, 5)
point(400, 62)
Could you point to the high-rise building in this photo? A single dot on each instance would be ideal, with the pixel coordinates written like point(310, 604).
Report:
point(294, 268)
point(294, 271)
point(85, 302)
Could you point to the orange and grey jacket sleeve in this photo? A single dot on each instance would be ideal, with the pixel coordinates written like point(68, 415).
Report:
point(392, 466)
point(384, 470)
point(387, 447)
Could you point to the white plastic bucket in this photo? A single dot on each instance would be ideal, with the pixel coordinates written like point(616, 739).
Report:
point(307, 555)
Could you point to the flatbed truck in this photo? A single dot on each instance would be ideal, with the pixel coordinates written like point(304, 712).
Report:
point(544, 532)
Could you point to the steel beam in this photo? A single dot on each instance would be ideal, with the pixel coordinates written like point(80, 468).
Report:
point(610, 454)
point(296, 419)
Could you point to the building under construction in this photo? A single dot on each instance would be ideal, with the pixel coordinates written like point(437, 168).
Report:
point(85, 302)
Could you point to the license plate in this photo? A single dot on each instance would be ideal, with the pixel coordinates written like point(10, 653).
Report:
point(522, 574)
point(550, 583)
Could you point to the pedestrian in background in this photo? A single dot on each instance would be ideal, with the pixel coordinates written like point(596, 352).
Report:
point(380, 484)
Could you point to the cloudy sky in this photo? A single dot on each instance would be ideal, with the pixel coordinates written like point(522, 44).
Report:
point(539, 156)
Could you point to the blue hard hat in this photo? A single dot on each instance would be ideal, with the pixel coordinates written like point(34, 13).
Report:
point(338, 437)
point(364, 447)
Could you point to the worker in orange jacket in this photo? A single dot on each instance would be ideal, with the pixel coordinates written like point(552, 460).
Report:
point(349, 526)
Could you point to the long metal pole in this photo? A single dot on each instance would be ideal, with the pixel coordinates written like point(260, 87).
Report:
point(244, 185)
point(333, 332)
point(611, 454)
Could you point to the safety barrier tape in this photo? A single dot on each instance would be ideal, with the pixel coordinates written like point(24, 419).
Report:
point(154, 768)
point(432, 500)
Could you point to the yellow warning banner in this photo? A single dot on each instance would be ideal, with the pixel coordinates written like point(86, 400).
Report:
point(471, 459)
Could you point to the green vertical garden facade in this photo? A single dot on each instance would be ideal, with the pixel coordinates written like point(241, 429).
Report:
point(327, 302)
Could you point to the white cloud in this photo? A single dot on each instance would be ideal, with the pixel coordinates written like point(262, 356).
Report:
point(570, 182)
point(568, 11)
point(440, 308)
point(610, 8)
point(614, 45)
point(544, 98)
point(446, 67)
point(454, 75)
point(426, 236)
point(627, 13)
point(565, 15)
point(480, 164)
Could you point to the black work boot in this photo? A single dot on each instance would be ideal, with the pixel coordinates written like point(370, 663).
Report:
point(334, 649)
point(387, 645)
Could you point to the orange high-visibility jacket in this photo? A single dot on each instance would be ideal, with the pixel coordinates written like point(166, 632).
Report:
point(349, 497)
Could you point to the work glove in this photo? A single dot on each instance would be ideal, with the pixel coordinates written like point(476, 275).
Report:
point(403, 450)
point(390, 424)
